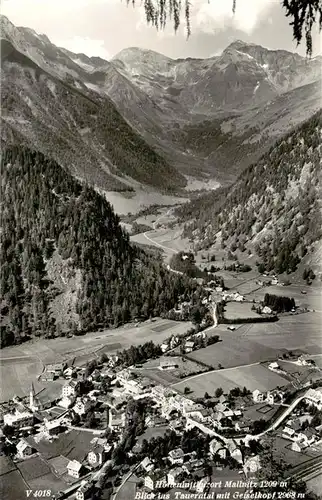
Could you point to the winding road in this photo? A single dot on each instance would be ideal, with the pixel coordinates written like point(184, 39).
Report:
point(155, 227)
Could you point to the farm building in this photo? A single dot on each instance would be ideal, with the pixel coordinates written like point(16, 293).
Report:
point(169, 364)
point(273, 366)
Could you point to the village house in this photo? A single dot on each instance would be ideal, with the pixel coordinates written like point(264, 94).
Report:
point(189, 346)
point(75, 469)
point(176, 424)
point(266, 310)
point(24, 449)
point(84, 492)
point(47, 376)
point(242, 426)
point(297, 446)
point(288, 433)
point(82, 406)
point(155, 478)
point(203, 415)
point(273, 366)
point(68, 373)
point(252, 466)
point(119, 392)
point(192, 465)
point(66, 402)
point(258, 396)
point(18, 419)
point(53, 427)
point(96, 456)
point(270, 398)
point(176, 456)
point(307, 437)
point(57, 369)
point(174, 342)
point(234, 450)
point(132, 387)
point(217, 448)
point(116, 421)
point(202, 485)
point(314, 397)
point(147, 464)
point(174, 476)
point(123, 376)
point(164, 347)
point(95, 375)
point(303, 361)
point(70, 388)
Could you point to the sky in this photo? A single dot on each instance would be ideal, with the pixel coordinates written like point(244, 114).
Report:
point(105, 27)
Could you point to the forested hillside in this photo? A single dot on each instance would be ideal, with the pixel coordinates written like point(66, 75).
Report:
point(62, 243)
point(274, 207)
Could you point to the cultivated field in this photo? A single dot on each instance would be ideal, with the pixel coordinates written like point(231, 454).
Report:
point(16, 375)
point(21, 365)
point(235, 349)
point(252, 377)
point(185, 367)
point(234, 310)
point(263, 341)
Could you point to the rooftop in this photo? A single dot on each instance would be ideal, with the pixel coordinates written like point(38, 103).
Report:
point(74, 465)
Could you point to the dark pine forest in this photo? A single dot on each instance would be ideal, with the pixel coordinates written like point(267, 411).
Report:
point(45, 210)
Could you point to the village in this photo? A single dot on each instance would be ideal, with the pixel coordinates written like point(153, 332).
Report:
point(110, 423)
point(187, 417)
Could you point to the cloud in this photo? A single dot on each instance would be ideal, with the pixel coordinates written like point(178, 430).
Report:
point(217, 15)
point(85, 45)
point(207, 16)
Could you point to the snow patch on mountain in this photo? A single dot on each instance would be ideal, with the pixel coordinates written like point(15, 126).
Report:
point(85, 66)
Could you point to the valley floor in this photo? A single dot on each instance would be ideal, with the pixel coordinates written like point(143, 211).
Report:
point(22, 364)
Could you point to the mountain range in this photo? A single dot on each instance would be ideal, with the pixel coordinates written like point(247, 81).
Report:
point(145, 119)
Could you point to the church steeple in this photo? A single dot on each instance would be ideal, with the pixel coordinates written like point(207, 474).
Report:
point(32, 397)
